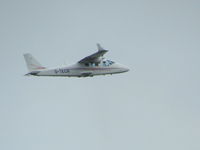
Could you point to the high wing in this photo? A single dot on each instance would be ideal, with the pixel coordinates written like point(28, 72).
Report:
point(96, 57)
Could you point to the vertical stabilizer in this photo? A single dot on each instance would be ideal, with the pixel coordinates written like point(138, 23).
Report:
point(32, 63)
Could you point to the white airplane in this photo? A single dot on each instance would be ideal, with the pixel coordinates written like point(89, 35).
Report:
point(89, 66)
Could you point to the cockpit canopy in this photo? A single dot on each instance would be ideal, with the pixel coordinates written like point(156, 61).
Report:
point(107, 62)
point(104, 63)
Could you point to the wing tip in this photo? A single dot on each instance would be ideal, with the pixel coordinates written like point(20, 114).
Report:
point(100, 48)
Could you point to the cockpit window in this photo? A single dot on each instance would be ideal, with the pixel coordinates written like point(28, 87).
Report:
point(107, 63)
point(103, 63)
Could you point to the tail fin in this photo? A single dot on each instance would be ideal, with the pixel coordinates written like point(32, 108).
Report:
point(32, 63)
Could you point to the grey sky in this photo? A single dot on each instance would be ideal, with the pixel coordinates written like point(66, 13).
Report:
point(154, 106)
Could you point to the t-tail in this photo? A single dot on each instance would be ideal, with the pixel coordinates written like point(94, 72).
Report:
point(32, 64)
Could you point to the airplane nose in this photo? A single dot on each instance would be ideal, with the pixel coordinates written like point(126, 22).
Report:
point(126, 69)
point(123, 68)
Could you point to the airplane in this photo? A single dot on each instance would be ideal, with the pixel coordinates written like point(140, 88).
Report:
point(89, 66)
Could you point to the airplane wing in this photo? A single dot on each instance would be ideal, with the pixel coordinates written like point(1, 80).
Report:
point(96, 57)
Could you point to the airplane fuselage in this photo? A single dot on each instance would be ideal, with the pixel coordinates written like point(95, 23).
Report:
point(81, 70)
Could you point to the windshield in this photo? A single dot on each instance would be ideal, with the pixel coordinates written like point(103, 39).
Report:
point(107, 63)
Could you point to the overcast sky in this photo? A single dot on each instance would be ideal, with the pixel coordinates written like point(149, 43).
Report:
point(154, 106)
